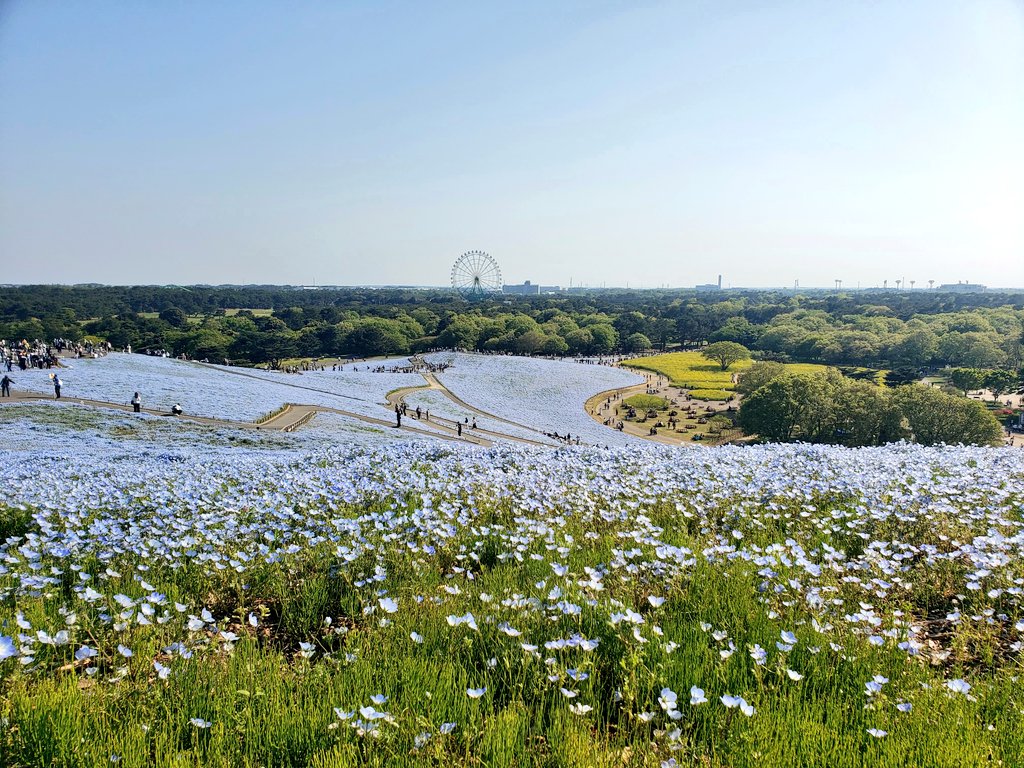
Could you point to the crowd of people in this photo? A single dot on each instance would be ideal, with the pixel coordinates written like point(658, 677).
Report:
point(416, 365)
point(40, 354)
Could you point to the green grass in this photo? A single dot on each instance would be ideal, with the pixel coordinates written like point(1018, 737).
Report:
point(270, 706)
point(646, 402)
point(255, 312)
point(710, 394)
point(691, 370)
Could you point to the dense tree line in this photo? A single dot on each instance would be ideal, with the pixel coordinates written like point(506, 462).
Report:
point(831, 408)
point(911, 330)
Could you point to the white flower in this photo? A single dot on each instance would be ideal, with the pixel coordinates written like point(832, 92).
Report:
point(794, 675)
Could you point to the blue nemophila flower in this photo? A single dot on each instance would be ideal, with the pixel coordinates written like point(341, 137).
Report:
point(904, 706)
point(878, 733)
point(874, 685)
point(469, 620)
point(446, 728)
point(198, 722)
point(342, 714)
point(793, 675)
point(416, 637)
point(732, 702)
point(668, 699)
point(162, 671)
point(388, 605)
point(580, 709)
point(125, 651)
point(758, 654)
point(958, 686)
point(369, 713)
point(476, 693)
point(697, 696)
point(85, 652)
point(379, 699)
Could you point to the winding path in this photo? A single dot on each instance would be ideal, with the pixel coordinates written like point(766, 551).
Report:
point(293, 416)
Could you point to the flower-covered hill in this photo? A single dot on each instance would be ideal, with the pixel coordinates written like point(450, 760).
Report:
point(414, 603)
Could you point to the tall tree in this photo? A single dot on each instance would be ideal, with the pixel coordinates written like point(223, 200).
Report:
point(725, 353)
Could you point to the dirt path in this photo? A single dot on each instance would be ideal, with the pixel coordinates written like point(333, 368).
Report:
point(662, 388)
point(593, 409)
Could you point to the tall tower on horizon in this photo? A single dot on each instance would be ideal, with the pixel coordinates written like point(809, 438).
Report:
point(719, 282)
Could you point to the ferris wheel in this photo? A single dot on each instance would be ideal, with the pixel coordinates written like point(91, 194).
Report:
point(476, 273)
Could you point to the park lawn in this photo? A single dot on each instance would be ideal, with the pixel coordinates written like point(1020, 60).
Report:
point(646, 402)
point(692, 370)
point(256, 312)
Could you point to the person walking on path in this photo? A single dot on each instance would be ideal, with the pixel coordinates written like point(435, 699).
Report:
point(137, 402)
point(398, 417)
point(56, 386)
point(5, 383)
point(460, 428)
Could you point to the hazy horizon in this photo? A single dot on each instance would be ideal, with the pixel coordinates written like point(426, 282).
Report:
point(591, 142)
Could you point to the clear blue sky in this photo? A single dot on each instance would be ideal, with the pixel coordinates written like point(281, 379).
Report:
point(603, 142)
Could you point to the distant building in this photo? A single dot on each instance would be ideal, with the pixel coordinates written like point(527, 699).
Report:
point(711, 286)
point(526, 289)
point(961, 287)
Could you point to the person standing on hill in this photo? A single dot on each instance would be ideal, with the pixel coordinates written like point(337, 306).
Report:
point(5, 384)
point(137, 402)
point(56, 386)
